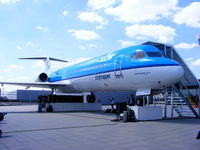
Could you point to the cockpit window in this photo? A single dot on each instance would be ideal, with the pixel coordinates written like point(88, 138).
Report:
point(138, 55)
point(154, 54)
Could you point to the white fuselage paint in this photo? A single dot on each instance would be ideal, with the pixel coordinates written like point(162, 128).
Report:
point(131, 79)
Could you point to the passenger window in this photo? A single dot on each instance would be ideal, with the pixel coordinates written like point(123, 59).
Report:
point(138, 55)
point(154, 54)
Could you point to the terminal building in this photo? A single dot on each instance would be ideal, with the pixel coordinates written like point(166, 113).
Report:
point(25, 95)
point(32, 96)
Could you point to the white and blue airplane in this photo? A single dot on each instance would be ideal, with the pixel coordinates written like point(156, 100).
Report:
point(139, 68)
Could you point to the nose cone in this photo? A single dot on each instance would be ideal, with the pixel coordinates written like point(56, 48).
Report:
point(177, 73)
point(168, 71)
point(174, 72)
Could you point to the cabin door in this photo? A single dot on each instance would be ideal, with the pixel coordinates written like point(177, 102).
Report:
point(118, 66)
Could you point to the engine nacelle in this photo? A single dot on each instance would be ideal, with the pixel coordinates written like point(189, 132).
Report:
point(43, 77)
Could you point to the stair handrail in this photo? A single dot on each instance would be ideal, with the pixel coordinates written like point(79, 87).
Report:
point(186, 101)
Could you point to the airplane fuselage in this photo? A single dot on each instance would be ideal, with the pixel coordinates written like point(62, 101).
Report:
point(130, 69)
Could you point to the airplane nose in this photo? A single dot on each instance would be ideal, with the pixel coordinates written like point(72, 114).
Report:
point(178, 73)
point(169, 72)
point(175, 71)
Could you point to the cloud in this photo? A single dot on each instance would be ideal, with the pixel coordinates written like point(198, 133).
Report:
point(84, 34)
point(75, 61)
point(186, 45)
point(126, 43)
point(92, 17)
point(196, 62)
point(16, 67)
point(19, 48)
point(8, 1)
point(44, 29)
point(85, 47)
point(65, 13)
point(39, 64)
point(100, 4)
point(30, 43)
point(58, 65)
point(92, 45)
point(189, 15)
point(10, 68)
point(156, 32)
point(137, 11)
point(189, 59)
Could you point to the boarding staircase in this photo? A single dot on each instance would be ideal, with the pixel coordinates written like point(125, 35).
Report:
point(181, 105)
point(186, 87)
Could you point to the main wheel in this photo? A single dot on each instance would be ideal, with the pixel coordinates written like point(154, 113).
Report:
point(91, 98)
point(1, 116)
point(0, 133)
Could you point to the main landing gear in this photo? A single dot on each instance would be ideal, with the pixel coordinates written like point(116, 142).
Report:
point(1, 118)
point(91, 98)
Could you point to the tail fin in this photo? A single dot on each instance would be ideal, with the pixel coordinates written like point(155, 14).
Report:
point(46, 61)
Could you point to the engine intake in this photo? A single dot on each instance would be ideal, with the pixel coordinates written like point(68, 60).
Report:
point(43, 77)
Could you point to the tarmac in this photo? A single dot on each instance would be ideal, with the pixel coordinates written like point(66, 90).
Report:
point(25, 129)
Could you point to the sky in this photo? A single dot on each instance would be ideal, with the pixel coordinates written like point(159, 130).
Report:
point(78, 30)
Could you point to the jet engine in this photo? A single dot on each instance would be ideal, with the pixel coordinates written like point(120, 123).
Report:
point(43, 77)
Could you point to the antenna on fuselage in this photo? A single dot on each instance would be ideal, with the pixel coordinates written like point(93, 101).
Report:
point(46, 61)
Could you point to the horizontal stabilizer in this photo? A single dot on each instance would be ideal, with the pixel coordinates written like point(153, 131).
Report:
point(44, 58)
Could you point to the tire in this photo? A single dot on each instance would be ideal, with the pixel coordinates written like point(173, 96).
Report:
point(0, 133)
point(1, 116)
point(91, 98)
point(49, 109)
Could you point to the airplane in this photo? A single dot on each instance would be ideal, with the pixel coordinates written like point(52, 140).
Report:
point(140, 68)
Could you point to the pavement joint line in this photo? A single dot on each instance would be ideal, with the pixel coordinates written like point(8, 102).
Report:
point(49, 129)
point(86, 116)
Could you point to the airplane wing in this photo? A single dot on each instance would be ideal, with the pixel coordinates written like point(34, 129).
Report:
point(36, 84)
